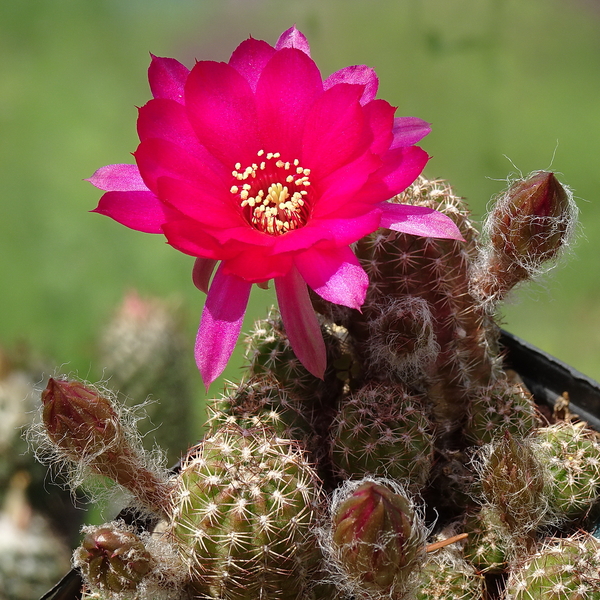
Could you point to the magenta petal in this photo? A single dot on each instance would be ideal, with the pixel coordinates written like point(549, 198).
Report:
point(300, 322)
point(221, 109)
point(158, 158)
point(343, 185)
point(379, 115)
point(250, 264)
point(167, 78)
point(250, 58)
point(118, 178)
point(349, 228)
point(204, 206)
point(141, 211)
point(357, 74)
point(192, 238)
point(202, 272)
point(300, 239)
point(286, 90)
point(418, 220)
point(401, 167)
point(408, 131)
point(334, 274)
point(292, 38)
point(335, 131)
point(221, 324)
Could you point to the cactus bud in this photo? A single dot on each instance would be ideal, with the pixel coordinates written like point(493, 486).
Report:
point(85, 427)
point(515, 482)
point(113, 558)
point(529, 225)
point(376, 539)
point(531, 221)
point(77, 419)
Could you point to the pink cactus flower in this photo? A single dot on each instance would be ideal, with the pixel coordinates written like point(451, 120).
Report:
point(265, 167)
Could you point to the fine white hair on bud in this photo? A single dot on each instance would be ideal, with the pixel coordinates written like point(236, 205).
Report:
point(373, 540)
point(90, 438)
point(529, 227)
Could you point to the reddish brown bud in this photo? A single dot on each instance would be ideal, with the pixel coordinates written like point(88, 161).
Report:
point(377, 537)
point(529, 225)
point(533, 219)
point(113, 559)
point(86, 428)
point(77, 419)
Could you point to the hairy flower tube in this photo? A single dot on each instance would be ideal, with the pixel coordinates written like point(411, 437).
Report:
point(265, 167)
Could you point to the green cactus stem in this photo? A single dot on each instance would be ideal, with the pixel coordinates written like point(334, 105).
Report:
point(446, 576)
point(383, 431)
point(563, 569)
point(244, 507)
point(573, 457)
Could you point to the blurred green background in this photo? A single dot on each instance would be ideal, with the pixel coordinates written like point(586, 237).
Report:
point(508, 85)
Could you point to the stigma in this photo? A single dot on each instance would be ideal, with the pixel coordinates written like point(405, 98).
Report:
point(272, 193)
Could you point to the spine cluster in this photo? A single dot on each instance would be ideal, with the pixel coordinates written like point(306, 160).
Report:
point(347, 487)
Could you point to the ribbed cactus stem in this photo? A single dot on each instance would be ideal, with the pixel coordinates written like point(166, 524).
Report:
point(434, 276)
point(383, 431)
point(243, 510)
point(562, 569)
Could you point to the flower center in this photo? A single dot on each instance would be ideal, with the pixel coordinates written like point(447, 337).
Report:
point(273, 193)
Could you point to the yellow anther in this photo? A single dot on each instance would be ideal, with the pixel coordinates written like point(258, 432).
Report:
point(238, 166)
point(260, 152)
point(269, 156)
point(289, 178)
point(276, 155)
point(299, 170)
point(234, 189)
point(286, 166)
point(247, 186)
point(296, 162)
point(244, 194)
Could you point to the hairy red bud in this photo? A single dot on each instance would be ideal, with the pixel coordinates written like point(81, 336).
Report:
point(78, 419)
point(531, 220)
point(113, 559)
point(85, 427)
point(529, 225)
point(374, 532)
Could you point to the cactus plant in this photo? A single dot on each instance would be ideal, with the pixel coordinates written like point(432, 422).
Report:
point(243, 509)
point(383, 431)
point(573, 456)
point(562, 569)
point(416, 425)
